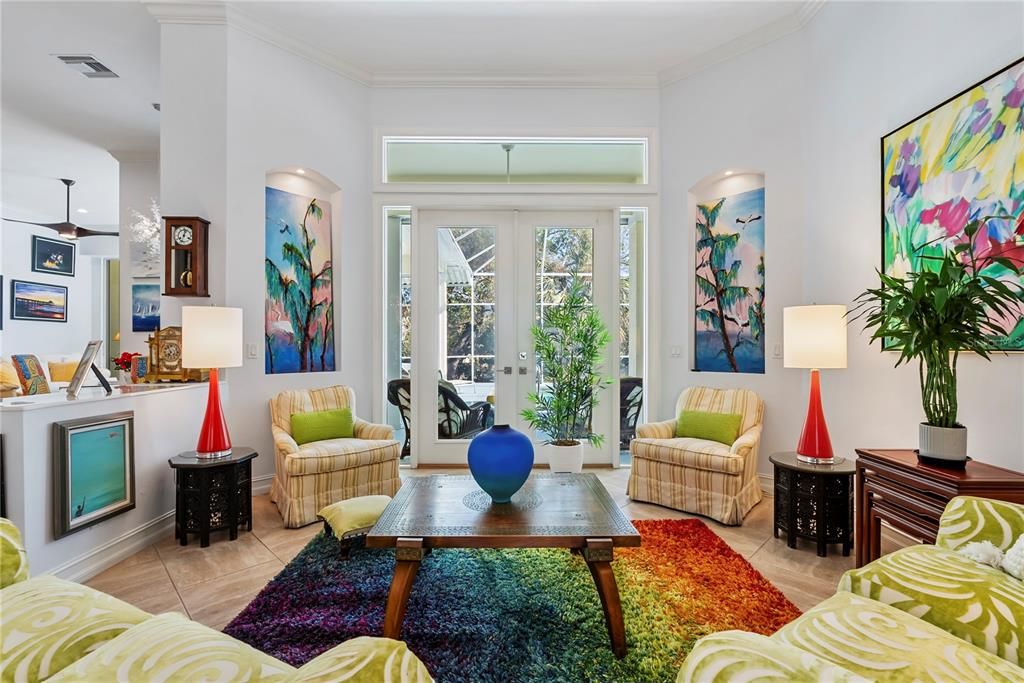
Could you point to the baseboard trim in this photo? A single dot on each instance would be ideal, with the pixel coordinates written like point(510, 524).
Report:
point(90, 564)
point(261, 485)
point(767, 483)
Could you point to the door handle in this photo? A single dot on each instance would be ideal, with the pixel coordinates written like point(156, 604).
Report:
point(507, 370)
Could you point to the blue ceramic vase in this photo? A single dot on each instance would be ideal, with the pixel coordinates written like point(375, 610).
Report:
point(500, 459)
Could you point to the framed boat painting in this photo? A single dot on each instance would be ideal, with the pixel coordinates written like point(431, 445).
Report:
point(959, 162)
point(94, 470)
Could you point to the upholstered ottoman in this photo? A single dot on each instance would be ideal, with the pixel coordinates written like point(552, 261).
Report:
point(352, 519)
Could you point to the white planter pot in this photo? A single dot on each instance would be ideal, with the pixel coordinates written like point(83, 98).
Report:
point(564, 458)
point(943, 443)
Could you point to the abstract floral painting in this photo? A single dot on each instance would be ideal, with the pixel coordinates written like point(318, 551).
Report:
point(961, 161)
point(299, 332)
point(729, 313)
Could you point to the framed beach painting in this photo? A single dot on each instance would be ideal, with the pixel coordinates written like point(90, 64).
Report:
point(94, 470)
point(958, 162)
point(729, 317)
point(56, 257)
point(299, 323)
point(38, 301)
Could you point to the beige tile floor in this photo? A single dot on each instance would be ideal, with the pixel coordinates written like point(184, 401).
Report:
point(214, 584)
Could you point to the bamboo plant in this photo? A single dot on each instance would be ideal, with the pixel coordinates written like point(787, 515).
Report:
point(569, 343)
point(933, 315)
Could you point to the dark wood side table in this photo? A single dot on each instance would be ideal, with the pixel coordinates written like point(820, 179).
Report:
point(894, 487)
point(814, 501)
point(212, 494)
point(571, 511)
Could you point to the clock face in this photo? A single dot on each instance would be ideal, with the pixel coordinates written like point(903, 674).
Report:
point(170, 354)
point(183, 235)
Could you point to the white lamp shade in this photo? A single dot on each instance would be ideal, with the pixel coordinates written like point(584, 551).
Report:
point(211, 337)
point(814, 336)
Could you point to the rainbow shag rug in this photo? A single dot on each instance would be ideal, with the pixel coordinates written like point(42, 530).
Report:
point(521, 615)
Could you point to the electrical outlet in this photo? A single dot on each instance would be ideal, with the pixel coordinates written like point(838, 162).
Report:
point(251, 350)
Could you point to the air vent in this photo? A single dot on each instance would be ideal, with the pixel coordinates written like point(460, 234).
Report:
point(87, 65)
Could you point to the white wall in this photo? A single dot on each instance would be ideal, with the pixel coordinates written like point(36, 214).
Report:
point(139, 179)
point(286, 112)
point(34, 158)
point(872, 74)
point(808, 111)
point(498, 110)
point(745, 114)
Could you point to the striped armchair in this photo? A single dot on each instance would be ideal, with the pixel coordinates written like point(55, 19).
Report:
point(311, 476)
point(695, 475)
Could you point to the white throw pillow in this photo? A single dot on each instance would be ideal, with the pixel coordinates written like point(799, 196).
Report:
point(984, 552)
point(1013, 560)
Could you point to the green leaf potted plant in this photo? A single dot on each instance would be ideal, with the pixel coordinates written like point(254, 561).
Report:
point(933, 315)
point(569, 344)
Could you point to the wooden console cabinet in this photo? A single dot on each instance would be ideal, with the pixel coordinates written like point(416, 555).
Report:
point(894, 487)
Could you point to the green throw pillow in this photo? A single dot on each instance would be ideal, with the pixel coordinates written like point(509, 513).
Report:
point(720, 427)
point(322, 424)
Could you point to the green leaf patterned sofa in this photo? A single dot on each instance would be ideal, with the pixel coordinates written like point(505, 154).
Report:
point(923, 613)
point(62, 632)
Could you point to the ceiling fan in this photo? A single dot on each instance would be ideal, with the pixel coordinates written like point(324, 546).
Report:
point(67, 229)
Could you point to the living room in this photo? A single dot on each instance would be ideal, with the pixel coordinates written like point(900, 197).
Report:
point(610, 252)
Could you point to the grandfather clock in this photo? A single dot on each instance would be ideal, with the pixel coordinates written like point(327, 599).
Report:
point(186, 256)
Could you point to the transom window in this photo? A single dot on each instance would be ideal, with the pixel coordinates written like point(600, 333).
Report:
point(515, 160)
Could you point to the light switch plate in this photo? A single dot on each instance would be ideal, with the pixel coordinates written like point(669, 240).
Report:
point(777, 351)
point(251, 350)
point(675, 351)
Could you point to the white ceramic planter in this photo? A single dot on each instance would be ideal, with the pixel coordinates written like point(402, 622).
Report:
point(564, 458)
point(943, 443)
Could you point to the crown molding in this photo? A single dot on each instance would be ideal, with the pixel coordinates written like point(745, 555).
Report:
point(218, 12)
point(214, 13)
point(741, 45)
point(239, 19)
point(640, 81)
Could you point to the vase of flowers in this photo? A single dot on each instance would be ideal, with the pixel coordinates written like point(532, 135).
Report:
point(934, 315)
point(569, 344)
point(123, 363)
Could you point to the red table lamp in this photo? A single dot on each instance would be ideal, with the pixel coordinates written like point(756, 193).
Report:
point(814, 337)
point(211, 337)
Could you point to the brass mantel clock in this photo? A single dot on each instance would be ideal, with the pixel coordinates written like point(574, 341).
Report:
point(186, 256)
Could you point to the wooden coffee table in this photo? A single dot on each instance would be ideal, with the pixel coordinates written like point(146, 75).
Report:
point(571, 511)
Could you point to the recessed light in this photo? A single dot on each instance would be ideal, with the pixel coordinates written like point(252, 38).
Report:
point(82, 210)
point(300, 171)
point(728, 173)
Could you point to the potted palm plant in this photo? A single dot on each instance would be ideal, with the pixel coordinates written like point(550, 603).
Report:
point(933, 315)
point(568, 344)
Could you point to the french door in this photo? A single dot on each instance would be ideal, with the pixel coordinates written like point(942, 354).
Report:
point(482, 279)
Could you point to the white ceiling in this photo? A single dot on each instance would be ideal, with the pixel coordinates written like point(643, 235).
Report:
point(401, 40)
point(115, 113)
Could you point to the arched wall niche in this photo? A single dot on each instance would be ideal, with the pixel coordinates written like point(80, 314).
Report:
point(729, 182)
point(307, 182)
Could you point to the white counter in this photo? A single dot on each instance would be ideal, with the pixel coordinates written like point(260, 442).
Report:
point(167, 421)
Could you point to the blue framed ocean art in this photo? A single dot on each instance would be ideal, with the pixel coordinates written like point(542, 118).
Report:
point(94, 470)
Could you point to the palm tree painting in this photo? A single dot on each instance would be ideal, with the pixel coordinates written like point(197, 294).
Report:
point(299, 332)
point(729, 312)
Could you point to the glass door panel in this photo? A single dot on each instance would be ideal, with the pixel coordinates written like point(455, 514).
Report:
point(466, 272)
point(461, 390)
point(562, 245)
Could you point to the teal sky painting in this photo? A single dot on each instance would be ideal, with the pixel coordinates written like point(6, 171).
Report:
point(97, 469)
